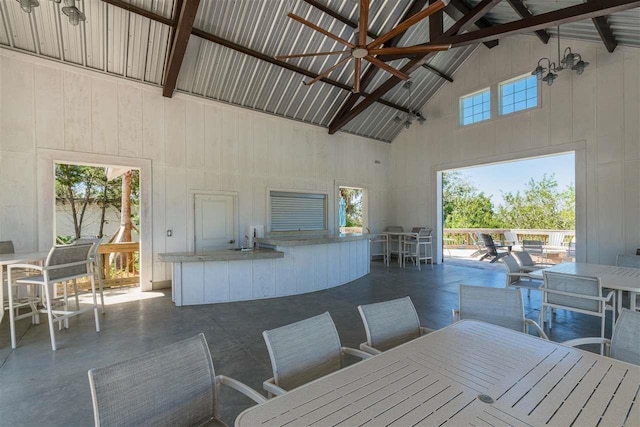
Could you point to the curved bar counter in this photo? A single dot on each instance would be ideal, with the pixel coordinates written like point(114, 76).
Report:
point(282, 266)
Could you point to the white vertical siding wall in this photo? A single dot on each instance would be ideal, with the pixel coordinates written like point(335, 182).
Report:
point(598, 111)
point(193, 144)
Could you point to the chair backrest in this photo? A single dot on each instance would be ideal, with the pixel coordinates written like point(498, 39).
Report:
point(60, 255)
point(391, 323)
point(571, 250)
point(304, 351)
point(512, 266)
point(171, 386)
point(556, 238)
point(532, 246)
point(510, 238)
point(498, 306)
point(424, 232)
point(628, 261)
point(395, 229)
point(578, 286)
point(625, 340)
point(489, 244)
point(524, 258)
point(6, 247)
point(95, 242)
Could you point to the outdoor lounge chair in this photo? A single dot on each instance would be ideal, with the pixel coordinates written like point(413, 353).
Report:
point(304, 351)
point(492, 249)
point(172, 386)
point(517, 277)
point(625, 340)
point(476, 240)
point(527, 264)
point(498, 306)
point(389, 324)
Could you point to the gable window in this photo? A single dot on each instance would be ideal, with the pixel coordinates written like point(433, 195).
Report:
point(475, 107)
point(290, 211)
point(518, 94)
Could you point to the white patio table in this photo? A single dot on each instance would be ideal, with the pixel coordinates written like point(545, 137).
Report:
point(613, 277)
point(8, 259)
point(401, 235)
point(448, 375)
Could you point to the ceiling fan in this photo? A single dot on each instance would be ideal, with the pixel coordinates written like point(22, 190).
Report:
point(363, 50)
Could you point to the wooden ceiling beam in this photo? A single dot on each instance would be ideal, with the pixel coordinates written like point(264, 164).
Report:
point(336, 15)
point(239, 48)
point(436, 23)
point(437, 72)
point(457, 9)
point(602, 25)
point(562, 16)
point(462, 25)
point(524, 12)
point(181, 36)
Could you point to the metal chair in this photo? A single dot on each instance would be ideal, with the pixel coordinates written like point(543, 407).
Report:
point(376, 241)
point(517, 277)
point(625, 341)
point(64, 263)
point(580, 294)
point(632, 261)
point(414, 245)
point(389, 324)
point(6, 247)
point(476, 240)
point(527, 264)
point(394, 241)
point(534, 247)
point(96, 265)
point(510, 238)
point(172, 386)
point(304, 351)
point(492, 249)
point(498, 306)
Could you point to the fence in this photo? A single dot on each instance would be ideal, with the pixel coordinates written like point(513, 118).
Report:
point(462, 237)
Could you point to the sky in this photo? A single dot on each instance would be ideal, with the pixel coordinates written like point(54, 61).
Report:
point(510, 177)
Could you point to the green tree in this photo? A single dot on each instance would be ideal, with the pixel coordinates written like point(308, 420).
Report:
point(353, 207)
point(464, 206)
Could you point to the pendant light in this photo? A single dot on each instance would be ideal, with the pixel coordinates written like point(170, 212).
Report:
point(569, 60)
point(408, 118)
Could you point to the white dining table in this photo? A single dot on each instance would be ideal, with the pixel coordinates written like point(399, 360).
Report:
point(468, 374)
point(22, 258)
point(401, 235)
point(613, 277)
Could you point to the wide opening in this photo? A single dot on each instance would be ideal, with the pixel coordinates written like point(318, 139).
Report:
point(526, 204)
point(351, 210)
point(101, 202)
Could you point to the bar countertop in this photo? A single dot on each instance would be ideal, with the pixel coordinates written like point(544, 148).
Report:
point(221, 255)
point(305, 240)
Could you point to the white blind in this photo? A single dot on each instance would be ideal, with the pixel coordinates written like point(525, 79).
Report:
point(298, 211)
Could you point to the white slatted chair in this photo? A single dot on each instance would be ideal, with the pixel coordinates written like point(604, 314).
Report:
point(64, 263)
point(580, 294)
point(304, 351)
point(534, 247)
point(29, 299)
point(527, 264)
point(510, 238)
point(418, 247)
point(519, 278)
point(96, 265)
point(631, 261)
point(172, 386)
point(377, 241)
point(389, 324)
point(625, 341)
point(498, 306)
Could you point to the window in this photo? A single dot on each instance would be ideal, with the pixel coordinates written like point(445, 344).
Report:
point(475, 107)
point(519, 94)
point(298, 211)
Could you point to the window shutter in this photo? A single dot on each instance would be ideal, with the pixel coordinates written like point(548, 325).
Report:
point(298, 211)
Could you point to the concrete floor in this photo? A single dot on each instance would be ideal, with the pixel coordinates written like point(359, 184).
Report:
point(42, 387)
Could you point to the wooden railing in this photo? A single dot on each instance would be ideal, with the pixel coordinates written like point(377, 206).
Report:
point(120, 263)
point(461, 237)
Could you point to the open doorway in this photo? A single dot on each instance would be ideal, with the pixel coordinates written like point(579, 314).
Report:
point(525, 204)
point(351, 210)
point(99, 202)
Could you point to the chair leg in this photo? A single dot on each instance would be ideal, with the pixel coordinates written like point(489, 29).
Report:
point(75, 292)
point(528, 293)
point(12, 320)
point(66, 306)
point(95, 302)
point(101, 290)
point(52, 331)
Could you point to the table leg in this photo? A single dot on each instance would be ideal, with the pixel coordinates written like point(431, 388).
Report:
point(1, 292)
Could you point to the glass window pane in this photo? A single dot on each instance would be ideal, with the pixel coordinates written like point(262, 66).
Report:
point(532, 93)
point(532, 82)
point(521, 105)
point(467, 102)
point(507, 109)
point(486, 115)
point(475, 108)
point(507, 89)
point(507, 100)
point(486, 96)
point(520, 96)
point(531, 103)
point(477, 117)
point(520, 85)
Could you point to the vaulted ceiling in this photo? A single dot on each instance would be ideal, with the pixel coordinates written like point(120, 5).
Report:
point(226, 49)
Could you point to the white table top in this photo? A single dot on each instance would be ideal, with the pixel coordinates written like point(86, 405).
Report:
point(611, 276)
point(437, 378)
point(6, 259)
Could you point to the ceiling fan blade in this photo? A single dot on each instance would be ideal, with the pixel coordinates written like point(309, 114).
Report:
point(318, 29)
point(304, 55)
point(363, 22)
point(407, 23)
point(409, 50)
point(327, 71)
point(389, 69)
point(356, 75)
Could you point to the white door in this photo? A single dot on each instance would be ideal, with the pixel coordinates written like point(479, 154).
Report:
point(215, 224)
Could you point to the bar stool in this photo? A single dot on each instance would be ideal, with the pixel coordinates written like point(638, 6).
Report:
point(376, 241)
point(413, 247)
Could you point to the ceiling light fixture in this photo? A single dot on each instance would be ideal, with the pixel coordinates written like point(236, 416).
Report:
point(408, 118)
point(569, 60)
point(74, 14)
point(28, 5)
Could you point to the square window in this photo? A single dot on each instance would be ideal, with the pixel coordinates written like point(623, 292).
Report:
point(519, 94)
point(475, 108)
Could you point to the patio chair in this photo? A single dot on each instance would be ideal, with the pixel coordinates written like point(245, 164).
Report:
point(304, 351)
point(625, 340)
point(498, 306)
point(632, 261)
point(580, 294)
point(6, 247)
point(527, 264)
point(96, 265)
point(376, 241)
point(519, 278)
point(476, 240)
point(389, 324)
point(510, 238)
point(492, 249)
point(415, 246)
point(534, 247)
point(571, 250)
point(64, 263)
point(394, 240)
point(172, 386)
